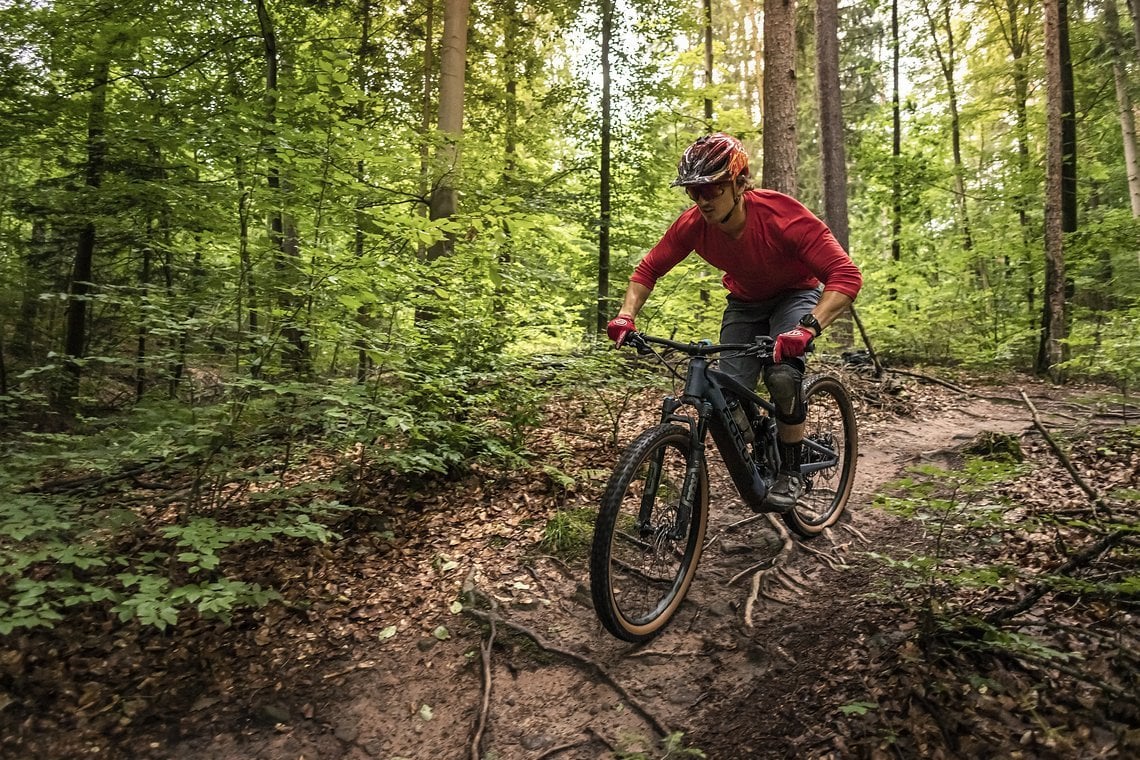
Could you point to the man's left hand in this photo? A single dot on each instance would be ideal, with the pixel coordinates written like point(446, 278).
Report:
point(791, 344)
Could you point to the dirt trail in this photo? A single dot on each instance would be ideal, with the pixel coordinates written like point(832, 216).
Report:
point(771, 689)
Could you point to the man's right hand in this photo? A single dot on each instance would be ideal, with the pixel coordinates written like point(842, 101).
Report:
point(619, 329)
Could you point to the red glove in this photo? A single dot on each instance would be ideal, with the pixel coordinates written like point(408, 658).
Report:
point(791, 344)
point(619, 329)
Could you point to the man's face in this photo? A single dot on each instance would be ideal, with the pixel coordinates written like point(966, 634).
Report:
point(714, 200)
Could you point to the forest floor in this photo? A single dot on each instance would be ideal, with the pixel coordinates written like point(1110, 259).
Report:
point(373, 656)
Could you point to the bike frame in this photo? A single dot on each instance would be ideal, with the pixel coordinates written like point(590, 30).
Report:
point(705, 391)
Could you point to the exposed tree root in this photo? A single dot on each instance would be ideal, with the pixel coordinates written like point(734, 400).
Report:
point(760, 579)
point(853, 531)
point(564, 748)
point(485, 707)
point(592, 665)
point(660, 653)
point(832, 559)
point(733, 526)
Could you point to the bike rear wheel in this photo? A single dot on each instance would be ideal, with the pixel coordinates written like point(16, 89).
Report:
point(645, 550)
point(830, 425)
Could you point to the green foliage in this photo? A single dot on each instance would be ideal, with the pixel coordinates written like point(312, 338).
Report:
point(569, 532)
point(858, 708)
point(954, 503)
point(57, 554)
point(672, 746)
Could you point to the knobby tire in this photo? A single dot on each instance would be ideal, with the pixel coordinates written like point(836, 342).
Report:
point(639, 574)
point(830, 421)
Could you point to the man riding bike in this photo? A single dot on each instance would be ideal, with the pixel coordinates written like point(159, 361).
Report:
point(785, 273)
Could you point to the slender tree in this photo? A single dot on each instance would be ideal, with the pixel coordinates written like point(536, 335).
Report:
point(1134, 11)
point(1053, 318)
point(604, 189)
point(1015, 22)
point(833, 166)
point(1115, 42)
point(452, 79)
point(282, 226)
point(780, 101)
point(1068, 122)
point(707, 15)
point(833, 163)
point(363, 53)
point(896, 152)
point(941, 28)
point(75, 341)
point(425, 100)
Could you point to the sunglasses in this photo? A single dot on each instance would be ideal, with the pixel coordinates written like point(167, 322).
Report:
point(706, 192)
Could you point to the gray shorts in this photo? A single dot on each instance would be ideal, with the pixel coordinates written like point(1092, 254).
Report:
point(743, 321)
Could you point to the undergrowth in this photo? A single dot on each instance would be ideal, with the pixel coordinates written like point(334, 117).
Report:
point(1007, 592)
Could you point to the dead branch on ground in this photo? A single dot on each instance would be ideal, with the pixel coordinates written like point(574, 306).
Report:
point(929, 379)
point(1094, 497)
point(1077, 561)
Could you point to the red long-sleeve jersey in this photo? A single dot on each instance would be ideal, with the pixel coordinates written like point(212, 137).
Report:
point(783, 247)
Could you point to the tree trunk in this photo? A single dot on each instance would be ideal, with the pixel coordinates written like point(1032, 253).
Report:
point(833, 161)
point(247, 287)
point(452, 74)
point(1068, 124)
point(1051, 353)
point(141, 378)
point(75, 339)
point(512, 23)
point(425, 101)
point(947, 62)
point(363, 362)
point(1123, 103)
point(707, 15)
point(896, 154)
point(1014, 21)
point(23, 346)
point(283, 229)
point(780, 110)
point(604, 189)
point(757, 60)
point(1134, 11)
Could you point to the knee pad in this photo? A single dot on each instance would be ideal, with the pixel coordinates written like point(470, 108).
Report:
point(784, 383)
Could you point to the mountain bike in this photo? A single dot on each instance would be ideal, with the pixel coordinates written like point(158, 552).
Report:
point(650, 528)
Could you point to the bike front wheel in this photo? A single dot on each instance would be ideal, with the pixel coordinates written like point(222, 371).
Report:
point(831, 439)
point(648, 537)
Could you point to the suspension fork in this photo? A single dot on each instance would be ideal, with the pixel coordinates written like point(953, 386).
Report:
point(693, 466)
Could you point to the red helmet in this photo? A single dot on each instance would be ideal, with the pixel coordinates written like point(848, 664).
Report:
point(713, 158)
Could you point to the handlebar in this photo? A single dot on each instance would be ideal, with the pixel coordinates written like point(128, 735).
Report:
point(761, 347)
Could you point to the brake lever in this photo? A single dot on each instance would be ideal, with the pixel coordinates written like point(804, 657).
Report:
point(638, 343)
point(762, 346)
